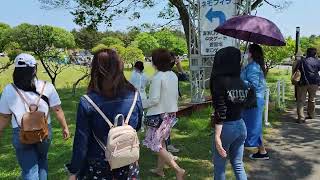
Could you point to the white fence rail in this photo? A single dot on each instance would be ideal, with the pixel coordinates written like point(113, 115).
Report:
point(279, 91)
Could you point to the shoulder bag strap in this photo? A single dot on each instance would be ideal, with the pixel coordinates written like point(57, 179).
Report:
point(304, 73)
point(132, 107)
point(99, 110)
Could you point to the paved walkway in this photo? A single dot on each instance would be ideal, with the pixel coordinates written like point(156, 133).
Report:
point(294, 150)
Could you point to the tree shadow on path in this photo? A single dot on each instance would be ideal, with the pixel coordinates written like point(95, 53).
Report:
point(294, 151)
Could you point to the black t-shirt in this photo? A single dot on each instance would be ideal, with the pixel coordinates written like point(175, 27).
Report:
point(229, 96)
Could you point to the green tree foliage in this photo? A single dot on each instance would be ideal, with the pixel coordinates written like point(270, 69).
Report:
point(12, 49)
point(120, 49)
point(165, 38)
point(98, 48)
point(4, 30)
point(87, 38)
point(132, 54)
point(91, 13)
point(47, 43)
point(146, 43)
point(169, 40)
point(180, 46)
point(275, 55)
point(109, 41)
point(129, 55)
point(63, 38)
point(307, 42)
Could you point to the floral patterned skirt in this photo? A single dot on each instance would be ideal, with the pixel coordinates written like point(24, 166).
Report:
point(100, 170)
point(155, 136)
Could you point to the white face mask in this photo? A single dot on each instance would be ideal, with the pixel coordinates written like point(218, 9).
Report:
point(245, 59)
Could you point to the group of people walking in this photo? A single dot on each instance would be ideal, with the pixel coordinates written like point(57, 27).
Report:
point(238, 102)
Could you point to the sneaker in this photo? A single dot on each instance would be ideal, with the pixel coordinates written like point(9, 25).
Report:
point(172, 149)
point(260, 156)
point(300, 121)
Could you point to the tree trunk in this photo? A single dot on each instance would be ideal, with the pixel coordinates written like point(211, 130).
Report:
point(184, 17)
point(53, 81)
point(74, 86)
point(53, 78)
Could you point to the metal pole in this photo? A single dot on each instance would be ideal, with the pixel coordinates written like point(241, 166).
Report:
point(278, 93)
point(283, 91)
point(248, 4)
point(297, 39)
point(266, 112)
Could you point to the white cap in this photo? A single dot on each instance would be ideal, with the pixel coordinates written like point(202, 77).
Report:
point(25, 60)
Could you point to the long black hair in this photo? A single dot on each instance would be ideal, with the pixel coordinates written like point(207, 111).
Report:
point(258, 56)
point(24, 78)
point(226, 65)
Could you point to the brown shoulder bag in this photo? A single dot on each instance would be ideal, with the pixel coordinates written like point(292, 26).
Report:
point(34, 123)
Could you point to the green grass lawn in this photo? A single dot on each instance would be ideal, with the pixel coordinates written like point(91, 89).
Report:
point(191, 135)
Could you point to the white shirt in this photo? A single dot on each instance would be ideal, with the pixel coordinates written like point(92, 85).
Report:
point(11, 102)
point(139, 81)
point(163, 94)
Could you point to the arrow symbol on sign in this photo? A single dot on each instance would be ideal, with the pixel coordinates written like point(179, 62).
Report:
point(216, 14)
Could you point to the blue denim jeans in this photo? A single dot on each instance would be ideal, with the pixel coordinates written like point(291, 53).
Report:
point(32, 158)
point(233, 136)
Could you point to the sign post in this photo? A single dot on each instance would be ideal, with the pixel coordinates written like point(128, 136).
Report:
point(214, 13)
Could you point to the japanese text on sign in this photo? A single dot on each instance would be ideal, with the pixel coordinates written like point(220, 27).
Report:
point(212, 14)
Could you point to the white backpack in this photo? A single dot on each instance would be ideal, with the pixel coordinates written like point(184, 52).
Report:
point(122, 146)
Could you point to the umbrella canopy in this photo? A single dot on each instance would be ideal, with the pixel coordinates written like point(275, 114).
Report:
point(253, 29)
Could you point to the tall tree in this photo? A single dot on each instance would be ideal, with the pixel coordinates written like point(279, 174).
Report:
point(4, 29)
point(146, 42)
point(47, 43)
point(93, 12)
point(86, 38)
point(109, 41)
point(276, 55)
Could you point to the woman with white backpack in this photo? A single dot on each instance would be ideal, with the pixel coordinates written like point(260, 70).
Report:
point(106, 145)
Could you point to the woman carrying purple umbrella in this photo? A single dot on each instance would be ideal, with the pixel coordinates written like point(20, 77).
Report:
point(254, 75)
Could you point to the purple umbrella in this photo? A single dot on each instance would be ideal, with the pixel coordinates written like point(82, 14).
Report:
point(253, 29)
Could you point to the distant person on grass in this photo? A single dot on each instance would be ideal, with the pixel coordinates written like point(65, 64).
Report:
point(114, 95)
point(229, 95)
point(162, 102)
point(254, 74)
point(139, 79)
point(309, 83)
point(32, 158)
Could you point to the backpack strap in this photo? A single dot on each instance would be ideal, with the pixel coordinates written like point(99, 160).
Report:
point(24, 99)
point(20, 94)
point(99, 142)
point(41, 93)
point(98, 110)
point(132, 107)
